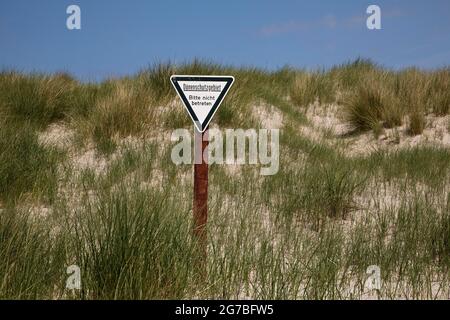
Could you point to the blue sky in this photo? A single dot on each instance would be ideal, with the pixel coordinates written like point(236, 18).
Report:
point(120, 37)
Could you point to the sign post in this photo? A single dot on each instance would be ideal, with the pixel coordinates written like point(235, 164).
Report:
point(201, 96)
point(200, 208)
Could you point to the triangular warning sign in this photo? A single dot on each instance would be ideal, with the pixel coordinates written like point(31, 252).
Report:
point(202, 95)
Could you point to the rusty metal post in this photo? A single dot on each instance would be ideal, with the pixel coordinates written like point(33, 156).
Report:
point(200, 208)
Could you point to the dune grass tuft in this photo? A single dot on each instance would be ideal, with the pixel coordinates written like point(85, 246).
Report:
point(25, 165)
point(126, 111)
point(132, 244)
point(31, 261)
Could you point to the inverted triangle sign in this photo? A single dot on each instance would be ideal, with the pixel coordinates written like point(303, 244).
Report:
point(201, 95)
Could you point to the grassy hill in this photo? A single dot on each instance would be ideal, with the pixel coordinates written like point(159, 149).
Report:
point(86, 178)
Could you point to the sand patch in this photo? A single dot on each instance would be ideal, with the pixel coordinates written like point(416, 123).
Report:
point(269, 117)
point(90, 160)
point(56, 135)
point(327, 118)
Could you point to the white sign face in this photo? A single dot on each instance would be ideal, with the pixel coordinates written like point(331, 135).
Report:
point(201, 95)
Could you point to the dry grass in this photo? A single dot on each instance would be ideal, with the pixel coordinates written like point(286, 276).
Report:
point(311, 87)
point(126, 111)
point(372, 104)
point(416, 123)
point(440, 92)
